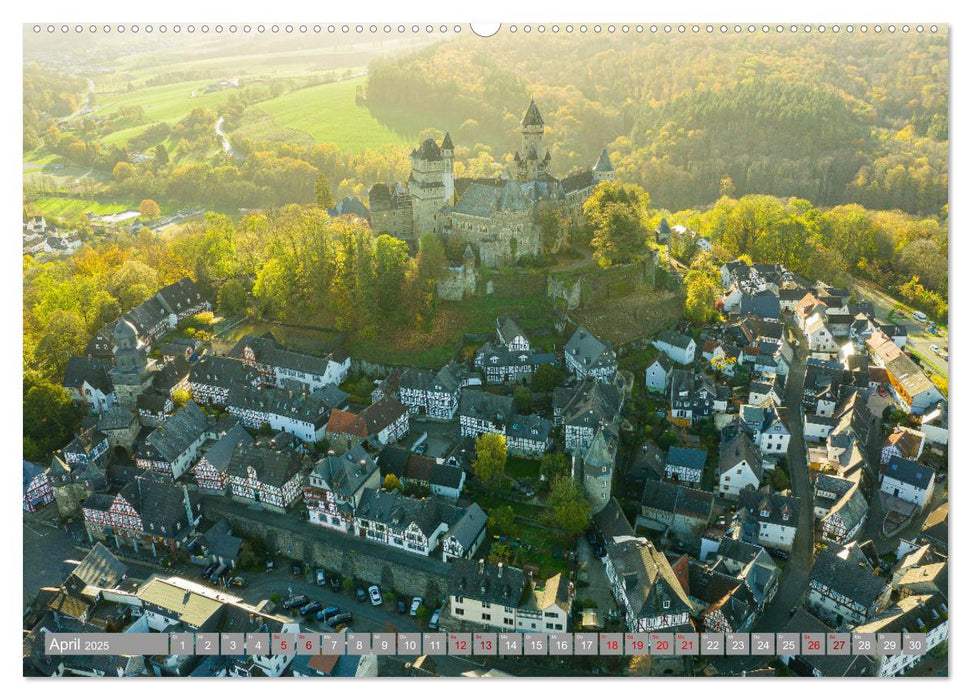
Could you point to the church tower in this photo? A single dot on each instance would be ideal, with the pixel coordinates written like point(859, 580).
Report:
point(448, 177)
point(430, 171)
point(603, 171)
point(533, 158)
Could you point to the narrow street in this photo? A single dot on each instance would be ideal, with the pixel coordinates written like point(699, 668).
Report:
point(794, 581)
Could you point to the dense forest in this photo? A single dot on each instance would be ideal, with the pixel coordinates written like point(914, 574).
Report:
point(827, 118)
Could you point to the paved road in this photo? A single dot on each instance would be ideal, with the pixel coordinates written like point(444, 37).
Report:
point(794, 581)
point(918, 339)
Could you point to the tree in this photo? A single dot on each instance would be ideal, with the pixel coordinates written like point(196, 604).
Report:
point(553, 465)
point(180, 397)
point(51, 418)
point(233, 299)
point(522, 399)
point(569, 507)
point(123, 171)
point(161, 155)
point(547, 378)
point(149, 209)
point(490, 457)
point(502, 520)
point(699, 303)
point(392, 483)
point(620, 236)
point(322, 194)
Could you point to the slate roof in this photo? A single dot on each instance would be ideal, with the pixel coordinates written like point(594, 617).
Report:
point(782, 510)
point(532, 116)
point(675, 339)
point(909, 472)
point(485, 200)
point(469, 525)
point(176, 434)
point(221, 542)
point(529, 427)
point(848, 573)
point(273, 467)
point(686, 457)
point(303, 407)
point(399, 511)
point(115, 418)
point(268, 351)
point(220, 454)
point(507, 329)
point(497, 585)
point(575, 182)
point(647, 578)
point(612, 523)
point(351, 206)
point(428, 150)
point(223, 372)
point(763, 305)
point(171, 374)
point(181, 296)
point(590, 403)
point(98, 568)
point(742, 447)
point(92, 370)
point(479, 404)
point(147, 316)
point(677, 499)
point(588, 350)
point(603, 162)
point(161, 505)
point(31, 471)
point(346, 473)
point(852, 507)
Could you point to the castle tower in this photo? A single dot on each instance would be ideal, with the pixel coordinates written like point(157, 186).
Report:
point(603, 171)
point(132, 373)
point(427, 187)
point(448, 178)
point(533, 158)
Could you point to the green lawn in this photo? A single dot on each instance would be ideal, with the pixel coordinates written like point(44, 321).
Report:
point(69, 208)
point(328, 113)
point(522, 468)
point(307, 340)
point(163, 103)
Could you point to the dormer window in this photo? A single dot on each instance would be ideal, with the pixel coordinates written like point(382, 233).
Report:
point(765, 514)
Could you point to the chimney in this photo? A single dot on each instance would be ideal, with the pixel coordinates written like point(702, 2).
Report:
point(500, 570)
point(481, 566)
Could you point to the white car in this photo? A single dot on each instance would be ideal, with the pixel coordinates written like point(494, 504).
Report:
point(375, 594)
point(936, 349)
point(320, 577)
point(415, 604)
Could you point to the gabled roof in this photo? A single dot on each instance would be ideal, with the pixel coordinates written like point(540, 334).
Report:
point(741, 448)
point(909, 472)
point(469, 525)
point(588, 350)
point(31, 472)
point(680, 500)
point(176, 434)
point(223, 372)
point(272, 467)
point(181, 296)
point(99, 568)
point(675, 339)
point(770, 508)
point(92, 370)
point(650, 584)
point(686, 457)
point(346, 473)
point(346, 423)
point(847, 571)
point(220, 454)
point(494, 583)
point(482, 405)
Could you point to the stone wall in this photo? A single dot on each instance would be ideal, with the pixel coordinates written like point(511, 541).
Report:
point(352, 557)
point(594, 285)
point(457, 283)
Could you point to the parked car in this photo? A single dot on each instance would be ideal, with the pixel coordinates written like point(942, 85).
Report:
point(936, 349)
point(335, 583)
point(339, 619)
point(270, 565)
point(311, 607)
point(237, 582)
point(599, 551)
point(361, 595)
point(296, 569)
point(295, 602)
point(321, 579)
point(329, 611)
point(415, 604)
point(209, 569)
point(375, 594)
point(421, 449)
point(436, 616)
point(402, 606)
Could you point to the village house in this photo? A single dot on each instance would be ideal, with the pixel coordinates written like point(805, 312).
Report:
point(38, 491)
point(509, 358)
point(120, 427)
point(916, 614)
point(86, 379)
point(739, 467)
point(584, 409)
point(435, 394)
point(336, 485)
point(722, 603)
point(649, 595)
point(682, 511)
point(174, 446)
point(302, 415)
point(439, 478)
point(587, 356)
point(902, 442)
point(678, 347)
point(657, 373)
point(843, 588)
point(212, 470)
point(840, 506)
point(154, 408)
point(465, 537)
point(685, 464)
point(908, 480)
point(481, 412)
point(500, 597)
point(767, 519)
point(913, 390)
point(146, 513)
point(396, 520)
point(694, 397)
point(291, 370)
point(212, 377)
point(266, 475)
point(751, 564)
point(344, 428)
point(814, 665)
point(820, 338)
point(764, 304)
point(528, 436)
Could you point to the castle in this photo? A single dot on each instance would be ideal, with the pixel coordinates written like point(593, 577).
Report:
point(497, 217)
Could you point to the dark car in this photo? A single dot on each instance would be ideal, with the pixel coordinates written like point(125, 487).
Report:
point(591, 537)
point(296, 569)
point(599, 551)
point(237, 582)
point(335, 583)
point(361, 594)
point(402, 606)
point(311, 607)
point(327, 612)
point(340, 619)
point(209, 569)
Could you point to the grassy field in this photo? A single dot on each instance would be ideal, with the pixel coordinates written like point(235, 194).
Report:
point(162, 103)
point(311, 341)
point(70, 208)
point(328, 113)
point(638, 315)
point(522, 468)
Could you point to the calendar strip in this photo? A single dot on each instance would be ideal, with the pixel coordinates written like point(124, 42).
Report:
point(489, 644)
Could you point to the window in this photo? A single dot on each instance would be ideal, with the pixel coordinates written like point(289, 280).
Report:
point(666, 605)
point(459, 611)
point(486, 616)
point(507, 621)
point(487, 605)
